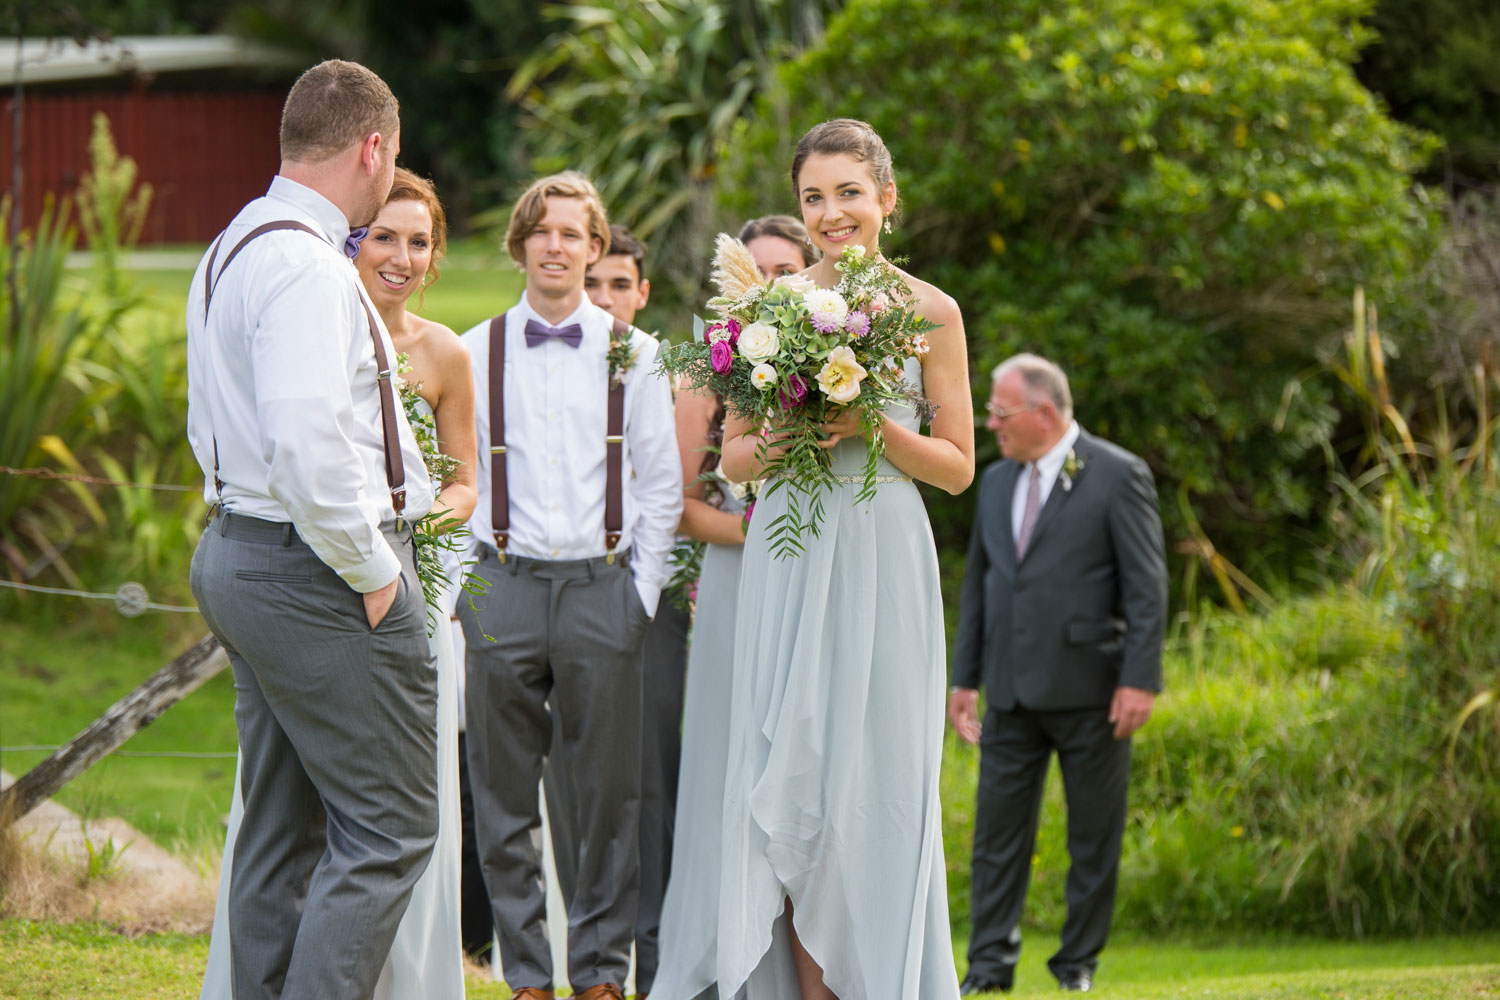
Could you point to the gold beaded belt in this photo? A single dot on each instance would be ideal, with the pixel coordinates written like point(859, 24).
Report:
point(878, 479)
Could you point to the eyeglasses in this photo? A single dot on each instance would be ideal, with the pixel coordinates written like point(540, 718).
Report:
point(1006, 414)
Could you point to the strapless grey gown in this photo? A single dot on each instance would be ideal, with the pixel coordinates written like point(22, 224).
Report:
point(835, 727)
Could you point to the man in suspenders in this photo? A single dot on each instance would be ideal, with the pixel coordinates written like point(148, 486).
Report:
point(580, 491)
point(617, 284)
point(305, 570)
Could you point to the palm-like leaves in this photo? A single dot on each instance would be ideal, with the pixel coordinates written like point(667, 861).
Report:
point(643, 96)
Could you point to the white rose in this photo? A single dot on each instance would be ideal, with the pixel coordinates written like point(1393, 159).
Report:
point(762, 376)
point(759, 341)
point(800, 284)
point(827, 302)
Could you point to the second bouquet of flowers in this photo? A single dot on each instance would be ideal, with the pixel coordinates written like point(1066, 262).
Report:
point(789, 356)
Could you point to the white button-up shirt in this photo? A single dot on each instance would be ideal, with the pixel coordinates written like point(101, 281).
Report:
point(556, 414)
point(1050, 466)
point(282, 374)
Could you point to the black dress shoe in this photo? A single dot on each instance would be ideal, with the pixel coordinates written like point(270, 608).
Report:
point(979, 984)
point(1077, 980)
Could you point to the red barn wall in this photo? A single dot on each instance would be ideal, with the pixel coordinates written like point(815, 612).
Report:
point(203, 154)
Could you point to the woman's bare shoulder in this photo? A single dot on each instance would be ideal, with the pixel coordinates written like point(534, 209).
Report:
point(932, 302)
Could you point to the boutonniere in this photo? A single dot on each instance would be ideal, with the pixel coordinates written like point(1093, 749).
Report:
point(621, 358)
point(1072, 466)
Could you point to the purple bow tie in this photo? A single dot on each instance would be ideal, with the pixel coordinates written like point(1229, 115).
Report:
point(538, 332)
point(356, 237)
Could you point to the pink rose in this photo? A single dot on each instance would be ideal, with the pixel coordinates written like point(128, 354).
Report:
point(795, 392)
point(721, 356)
point(733, 326)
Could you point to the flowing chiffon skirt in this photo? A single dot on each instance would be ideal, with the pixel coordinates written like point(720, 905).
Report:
point(835, 730)
point(689, 915)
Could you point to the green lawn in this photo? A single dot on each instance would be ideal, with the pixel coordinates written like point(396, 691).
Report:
point(89, 962)
point(64, 666)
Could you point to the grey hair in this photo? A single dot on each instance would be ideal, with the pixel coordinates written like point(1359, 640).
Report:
point(1043, 380)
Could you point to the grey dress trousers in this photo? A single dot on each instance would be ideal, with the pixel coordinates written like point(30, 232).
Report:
point(568, 631)
point(338, 738)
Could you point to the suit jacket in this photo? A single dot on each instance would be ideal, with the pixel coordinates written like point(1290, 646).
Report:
point(1085, 611)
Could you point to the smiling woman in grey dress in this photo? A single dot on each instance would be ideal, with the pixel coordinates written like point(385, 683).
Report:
point(780, 246)
point(831, 881)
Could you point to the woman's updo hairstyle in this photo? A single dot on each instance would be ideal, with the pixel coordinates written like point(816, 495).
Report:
point(847, 137)
point(783, 227)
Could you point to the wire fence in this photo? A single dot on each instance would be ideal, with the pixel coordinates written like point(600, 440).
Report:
point(184, 754)
point(130, 599)
point(40, 473)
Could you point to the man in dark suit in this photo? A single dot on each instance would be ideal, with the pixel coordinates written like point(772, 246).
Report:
point(1061, 620)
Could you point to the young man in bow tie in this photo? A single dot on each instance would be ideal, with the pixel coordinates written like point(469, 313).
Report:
point(579, 495)
point(617, 283)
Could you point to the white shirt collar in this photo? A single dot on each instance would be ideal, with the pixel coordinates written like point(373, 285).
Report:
point(583, 315)
point(328, 216)
point(1051, 463)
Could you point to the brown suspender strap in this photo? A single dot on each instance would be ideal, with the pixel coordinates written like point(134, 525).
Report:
point(614, 444)
point(499, 491)
point(395, 467)
point(614, 447)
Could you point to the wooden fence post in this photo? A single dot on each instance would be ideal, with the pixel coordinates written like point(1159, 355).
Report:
point(107, 733)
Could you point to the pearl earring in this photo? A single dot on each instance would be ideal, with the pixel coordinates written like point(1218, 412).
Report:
point(887, 225)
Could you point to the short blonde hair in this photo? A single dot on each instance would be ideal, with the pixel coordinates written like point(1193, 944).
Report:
point(532, 205)
point(332, 106)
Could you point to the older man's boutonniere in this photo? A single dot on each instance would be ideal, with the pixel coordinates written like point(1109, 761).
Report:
point(621, 358)
point(1072, 466)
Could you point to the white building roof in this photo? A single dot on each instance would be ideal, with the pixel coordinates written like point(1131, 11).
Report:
point(54, 60)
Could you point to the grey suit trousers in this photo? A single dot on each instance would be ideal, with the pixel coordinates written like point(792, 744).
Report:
point(568, 631)
point(338, 740)
point(664, 682)
point(1015, 749)
point(664, 665)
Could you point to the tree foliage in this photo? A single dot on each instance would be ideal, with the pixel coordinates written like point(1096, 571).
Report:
point(1434, 63)
point(447, 64)
point(641, 95)
point(1172, 198)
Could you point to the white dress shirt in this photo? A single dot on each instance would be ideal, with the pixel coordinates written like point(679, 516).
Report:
point(555, 421)
point(1050, 465)
point(283, 375)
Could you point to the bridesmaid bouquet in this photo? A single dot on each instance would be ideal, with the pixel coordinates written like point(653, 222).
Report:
point(791, 356)
point(432, 535)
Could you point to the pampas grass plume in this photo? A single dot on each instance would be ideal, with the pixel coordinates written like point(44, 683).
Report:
point(734, 271)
